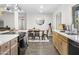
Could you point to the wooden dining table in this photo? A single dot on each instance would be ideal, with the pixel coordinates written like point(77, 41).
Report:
point(36, 33)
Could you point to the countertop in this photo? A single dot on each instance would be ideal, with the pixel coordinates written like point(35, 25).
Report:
point(4, 31)
point(14, 31)
point(5, 38)
point(72, 37)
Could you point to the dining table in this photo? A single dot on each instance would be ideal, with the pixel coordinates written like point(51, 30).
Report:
point(36, 33)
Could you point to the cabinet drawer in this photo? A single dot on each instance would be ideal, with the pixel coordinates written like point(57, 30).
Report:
point(5, 47)
point(13, 41)
point(14, 50)
point(7, 53)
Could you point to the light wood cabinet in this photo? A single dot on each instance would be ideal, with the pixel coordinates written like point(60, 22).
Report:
point(9, 48)
point(6, 52)
point(14, 50)
point(13, 41)
point(4, 48)
point(64, 48)
point(14, 47)
point(61, 43)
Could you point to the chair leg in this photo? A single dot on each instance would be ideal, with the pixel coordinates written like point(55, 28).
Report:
point(47, 36)
point(39, 37)
point(42, 37)
point(28, 38)
point(33, 37)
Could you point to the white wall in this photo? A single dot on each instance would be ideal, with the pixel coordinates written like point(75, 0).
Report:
point(31, 21)
point(8, 19)
point(66, 10)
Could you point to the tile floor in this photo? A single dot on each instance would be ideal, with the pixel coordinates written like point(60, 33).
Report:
point(41, 48)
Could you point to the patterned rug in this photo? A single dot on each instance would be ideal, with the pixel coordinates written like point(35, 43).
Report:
point(38, 40)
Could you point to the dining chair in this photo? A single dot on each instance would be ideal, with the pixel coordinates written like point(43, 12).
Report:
point(37, 34)
point(45, 34)
point(30, 34)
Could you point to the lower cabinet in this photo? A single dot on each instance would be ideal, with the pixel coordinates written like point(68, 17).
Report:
point(6, 52)
point(5, 48)
point(61, 43)
point(9, 48)
point(64, 48)
point(14, 50)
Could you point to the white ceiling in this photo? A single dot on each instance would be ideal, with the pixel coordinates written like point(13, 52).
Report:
point(35, 8)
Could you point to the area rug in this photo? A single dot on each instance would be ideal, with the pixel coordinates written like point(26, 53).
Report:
point(38, 40)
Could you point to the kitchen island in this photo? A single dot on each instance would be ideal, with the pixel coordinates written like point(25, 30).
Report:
point(8, 44)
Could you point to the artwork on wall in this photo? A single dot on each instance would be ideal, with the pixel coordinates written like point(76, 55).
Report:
point(40, 21)
point(58, 19)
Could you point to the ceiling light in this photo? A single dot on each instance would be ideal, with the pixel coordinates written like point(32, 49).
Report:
point(41, 11)
point(41, 6)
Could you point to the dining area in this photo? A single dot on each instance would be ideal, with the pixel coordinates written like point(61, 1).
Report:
point(37, 34)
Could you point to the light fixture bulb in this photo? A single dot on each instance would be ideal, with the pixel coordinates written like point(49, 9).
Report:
point(41, 6)
point(41, 11)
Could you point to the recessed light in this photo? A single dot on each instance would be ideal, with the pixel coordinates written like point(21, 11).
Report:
point(41, 11)
point(41, 6)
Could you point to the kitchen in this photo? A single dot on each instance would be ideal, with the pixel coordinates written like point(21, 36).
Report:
point(28, 29)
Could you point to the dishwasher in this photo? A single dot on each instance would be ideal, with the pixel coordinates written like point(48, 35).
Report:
point(73, 48)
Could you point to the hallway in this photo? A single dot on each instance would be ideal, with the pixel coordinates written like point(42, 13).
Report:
point(41, 48)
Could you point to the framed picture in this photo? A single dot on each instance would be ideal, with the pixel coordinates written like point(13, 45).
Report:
point(40, 22)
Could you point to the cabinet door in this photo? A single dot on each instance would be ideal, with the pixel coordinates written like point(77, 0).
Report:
point(13, 41)
point(5, 47)
point(60, 46)
point(14, 50)
point(55, 41)
point(64, 48)
point(7, 53)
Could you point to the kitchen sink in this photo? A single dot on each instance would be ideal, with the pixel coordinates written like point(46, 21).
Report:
point(72, 33)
